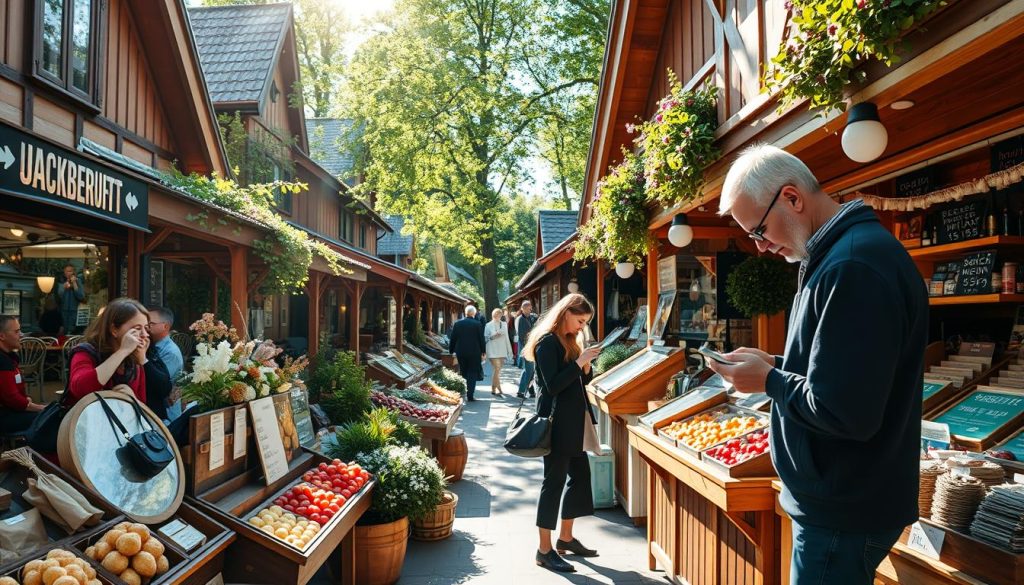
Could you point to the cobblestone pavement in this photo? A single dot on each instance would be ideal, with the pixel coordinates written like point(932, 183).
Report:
point(495, 537)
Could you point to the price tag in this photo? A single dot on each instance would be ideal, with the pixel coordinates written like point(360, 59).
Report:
point(216, 440)
point(926, 539)
point(934, 435)
point(268, 439)
point(1018, 478)
point(238, 448)
point(14, 520)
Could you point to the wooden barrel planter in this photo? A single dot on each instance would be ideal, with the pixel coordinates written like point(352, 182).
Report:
point(453, 454)
point(380, 552)
point(438, 524)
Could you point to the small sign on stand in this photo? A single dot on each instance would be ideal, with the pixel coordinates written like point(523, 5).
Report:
point(268, 439)
point(926, 539)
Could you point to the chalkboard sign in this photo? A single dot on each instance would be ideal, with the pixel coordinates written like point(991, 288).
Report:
point(963, 221)
point(1008, 153)
point(913, 184)
point(975, 276)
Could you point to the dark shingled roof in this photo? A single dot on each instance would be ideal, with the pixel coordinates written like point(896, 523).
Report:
point(395, 243)
point(455, 271)
point(326, 139)
point(238, 47)
point(556, 226)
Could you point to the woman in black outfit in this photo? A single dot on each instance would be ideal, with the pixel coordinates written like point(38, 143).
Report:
point(563, 368)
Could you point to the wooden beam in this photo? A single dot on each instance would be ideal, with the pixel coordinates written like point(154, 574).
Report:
point(134, 267)
point(313, 288)
point(400, 299)
point(240, 289)
point(600, 299)
point(156, 239)
point(189, 255)
point(354, 308)
point(652, 292)
point(260, 277)
point(216, 269)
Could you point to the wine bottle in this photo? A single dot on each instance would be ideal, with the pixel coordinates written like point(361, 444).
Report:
point(1006, 221)
point(990, 222)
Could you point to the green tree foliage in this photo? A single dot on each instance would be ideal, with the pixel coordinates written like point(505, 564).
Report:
point(449, 106)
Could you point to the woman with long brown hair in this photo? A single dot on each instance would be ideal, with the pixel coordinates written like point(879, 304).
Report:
point(113, 353)
point(563, 369)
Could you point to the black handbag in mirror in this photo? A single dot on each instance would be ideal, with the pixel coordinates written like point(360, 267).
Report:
point(148, 450)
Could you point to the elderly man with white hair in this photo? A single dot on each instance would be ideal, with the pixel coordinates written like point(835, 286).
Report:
point(846, 396)
point(467, 343)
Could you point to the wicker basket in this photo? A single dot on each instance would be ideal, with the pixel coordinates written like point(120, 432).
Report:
point(438, 524)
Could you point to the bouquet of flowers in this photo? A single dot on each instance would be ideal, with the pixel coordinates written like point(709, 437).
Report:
point(231, 371)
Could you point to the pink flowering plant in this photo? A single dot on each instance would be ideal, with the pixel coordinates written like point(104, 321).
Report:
point(829, 41)
point(617, 230)
point(228, 370)
point(677, 143)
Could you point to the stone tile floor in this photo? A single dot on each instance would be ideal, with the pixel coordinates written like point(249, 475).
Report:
point(495, 537)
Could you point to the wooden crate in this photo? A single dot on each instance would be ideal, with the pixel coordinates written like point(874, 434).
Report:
point(962, 560)
point(757, 466)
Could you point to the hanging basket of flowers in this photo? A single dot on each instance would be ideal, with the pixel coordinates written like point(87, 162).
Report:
point(617, 230)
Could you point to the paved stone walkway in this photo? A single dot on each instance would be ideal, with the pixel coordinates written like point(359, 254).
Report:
point(495, 537)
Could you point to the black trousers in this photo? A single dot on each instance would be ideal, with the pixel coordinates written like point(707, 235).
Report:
point(577, 500)
point(472, 372)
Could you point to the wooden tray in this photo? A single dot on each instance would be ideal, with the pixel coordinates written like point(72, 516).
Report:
point(175, 557)
point(102, 575)
point(935, 393)
point(724, 409)
point(436, 430)
point(757, 466)
point(970, 556)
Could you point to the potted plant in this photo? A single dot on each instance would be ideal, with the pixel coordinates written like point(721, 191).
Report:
point(410, 486)
point(340, 385)
point(761, 286)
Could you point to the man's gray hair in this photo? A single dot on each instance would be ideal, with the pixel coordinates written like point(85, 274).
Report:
point(165, 314)
point(526, 304)
point(758, 174)
point(470, 311)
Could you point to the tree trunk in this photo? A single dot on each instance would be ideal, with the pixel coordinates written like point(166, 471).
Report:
point(489, 272)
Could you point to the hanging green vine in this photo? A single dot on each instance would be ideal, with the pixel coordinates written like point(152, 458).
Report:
point(677, 143)
point(832, 38)
point(287, 251)
point(617, 230)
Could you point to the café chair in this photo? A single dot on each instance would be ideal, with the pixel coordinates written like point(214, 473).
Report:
point(32, 355)
point(65, 358)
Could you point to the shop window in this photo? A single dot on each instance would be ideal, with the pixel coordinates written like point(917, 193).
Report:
point(282, 200)
point(346, 225)
point(362, 237)
point(66, 46)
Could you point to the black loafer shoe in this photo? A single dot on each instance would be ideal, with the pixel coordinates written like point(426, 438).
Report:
point(553, 562)
point(574, 546)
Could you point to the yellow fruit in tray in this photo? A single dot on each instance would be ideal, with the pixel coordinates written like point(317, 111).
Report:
point(256, 521)
point(153, 547)
point(129, 544)
point(130, 577)
point(31, 566)
point(141, 529)
point(51, 574)
point(66, 580)
point(78, 573)
point(115, 562)
point(102, 549)
point(144, 564)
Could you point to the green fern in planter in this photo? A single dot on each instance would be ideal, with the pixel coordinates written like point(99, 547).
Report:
point(761, 286)
point(614, 355)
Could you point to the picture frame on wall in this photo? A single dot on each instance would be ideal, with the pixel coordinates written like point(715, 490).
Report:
point(661, 317)
point(11, 303)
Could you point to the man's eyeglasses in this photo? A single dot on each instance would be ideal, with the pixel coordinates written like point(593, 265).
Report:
point(757, 234)
point(150, 325)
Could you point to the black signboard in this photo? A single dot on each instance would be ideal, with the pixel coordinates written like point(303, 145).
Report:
point(961, 221)
point(1007, 153)
point(976, 274)
point(34, 169)
point(913, 184)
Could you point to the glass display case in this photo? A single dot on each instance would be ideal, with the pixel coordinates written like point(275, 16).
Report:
point(636, 365)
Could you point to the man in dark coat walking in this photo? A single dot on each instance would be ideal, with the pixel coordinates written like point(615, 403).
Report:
point(467, 343)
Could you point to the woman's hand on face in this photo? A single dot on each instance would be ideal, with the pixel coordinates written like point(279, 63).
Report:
point(140, 351)
point(588, 355)
point(130, 341)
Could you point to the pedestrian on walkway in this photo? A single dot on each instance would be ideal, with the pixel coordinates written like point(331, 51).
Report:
point(467, 343)
point(846, 414)
point(524, 324)
point(499, 348)
point(563, 368)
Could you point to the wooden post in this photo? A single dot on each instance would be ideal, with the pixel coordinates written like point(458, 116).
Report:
point(400, 311)
point(652, 291)
point(771, 333)
point(240, 289)
point(313, 292)
point(133, 266)
point(355, 301)
point(600, 299)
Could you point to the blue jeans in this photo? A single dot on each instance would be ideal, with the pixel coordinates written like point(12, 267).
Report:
point(527, 376)
point(824, 556)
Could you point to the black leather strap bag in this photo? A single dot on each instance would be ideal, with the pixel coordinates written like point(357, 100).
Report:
point(148, 451)
point(529, 436)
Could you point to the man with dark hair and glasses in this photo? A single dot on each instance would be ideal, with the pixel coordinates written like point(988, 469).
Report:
point(846, 396)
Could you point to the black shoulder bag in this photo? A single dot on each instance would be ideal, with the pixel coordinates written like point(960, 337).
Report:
point(148, 451)
point(42, 433)
point(530, 436)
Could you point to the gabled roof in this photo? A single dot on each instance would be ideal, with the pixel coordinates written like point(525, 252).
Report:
point(326, 142)
point(454, 270)
point(395, 243)
point(239, 47)
point(554, 227)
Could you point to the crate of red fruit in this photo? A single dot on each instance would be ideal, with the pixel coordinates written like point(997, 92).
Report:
point(745, 456)
point(426, 416)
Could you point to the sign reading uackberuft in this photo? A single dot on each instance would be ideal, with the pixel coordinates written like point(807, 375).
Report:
point(34, 169)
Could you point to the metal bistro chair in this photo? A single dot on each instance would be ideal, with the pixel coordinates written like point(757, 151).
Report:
point(52, 363)
point(65, 360)
point(185, 343)
point(32, 355)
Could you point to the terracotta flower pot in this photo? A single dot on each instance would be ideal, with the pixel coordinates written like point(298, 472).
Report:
point(380, 552)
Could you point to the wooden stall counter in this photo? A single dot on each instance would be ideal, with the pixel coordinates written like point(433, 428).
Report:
point(703, 526)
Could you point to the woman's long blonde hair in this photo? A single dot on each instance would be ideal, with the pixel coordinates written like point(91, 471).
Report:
point(551, 322)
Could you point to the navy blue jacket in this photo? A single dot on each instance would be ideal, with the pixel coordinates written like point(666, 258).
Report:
point(846, 413)
point(467, 338)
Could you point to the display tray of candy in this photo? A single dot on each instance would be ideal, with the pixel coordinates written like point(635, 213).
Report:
point(711, 427)
point(744, 456)
point(298, 515)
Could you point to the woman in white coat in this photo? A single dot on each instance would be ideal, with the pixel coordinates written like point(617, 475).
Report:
point(499, 348)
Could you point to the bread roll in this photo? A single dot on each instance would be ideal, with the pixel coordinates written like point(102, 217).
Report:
point(115, 562)
point(129, 544)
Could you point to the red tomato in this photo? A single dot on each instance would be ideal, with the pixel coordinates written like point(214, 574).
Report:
point(334, 507)
point(289, 508)
point(302, 510)
point(347, 493)
point(336, 462)
point(322, 467)
point(327, 515)
point(317, 518)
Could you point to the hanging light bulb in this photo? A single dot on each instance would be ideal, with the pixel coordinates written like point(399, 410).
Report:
point(864, 138)
point(680, 234)
point(17, 232)
point(573, 286)
point(45, 283)
point(624, 269)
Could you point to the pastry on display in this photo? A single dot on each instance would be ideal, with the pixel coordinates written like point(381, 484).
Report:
point(711, 428)
point(285, 526)
point(956, 500)
point(60, 567)
point(130, 551)
point(931, 469)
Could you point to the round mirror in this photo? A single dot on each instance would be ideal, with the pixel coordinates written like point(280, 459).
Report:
point(90, 448)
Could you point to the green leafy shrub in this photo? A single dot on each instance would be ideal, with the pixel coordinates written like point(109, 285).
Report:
point(761, 286)
point(449, 380)
point(377, 429)
point(612, 356)
point(410, 483)
point(340, 385)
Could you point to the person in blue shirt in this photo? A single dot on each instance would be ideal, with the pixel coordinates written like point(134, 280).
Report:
point(161, 322)
point(71, 293)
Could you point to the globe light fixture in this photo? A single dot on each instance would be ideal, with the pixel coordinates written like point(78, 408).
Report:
point(624, 269)
point(864, 138)
point(45, 283)
point(17, 232)
point(680, 234)
point(573, 286)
